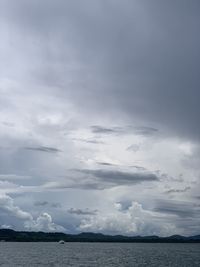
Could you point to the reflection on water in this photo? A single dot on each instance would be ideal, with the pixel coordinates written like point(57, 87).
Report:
point(99, 254)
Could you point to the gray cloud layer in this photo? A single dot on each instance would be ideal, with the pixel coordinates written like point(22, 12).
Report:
point(178, 208)
point(141, 57)
point(110, 84)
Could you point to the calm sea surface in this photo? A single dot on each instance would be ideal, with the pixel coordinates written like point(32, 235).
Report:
point(99, 254)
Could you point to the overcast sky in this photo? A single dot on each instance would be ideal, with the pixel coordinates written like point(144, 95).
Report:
point(99, 116)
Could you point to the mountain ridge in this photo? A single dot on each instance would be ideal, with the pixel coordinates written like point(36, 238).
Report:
point(10, 235)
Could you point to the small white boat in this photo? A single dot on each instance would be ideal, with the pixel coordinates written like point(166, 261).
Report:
point(61, 242)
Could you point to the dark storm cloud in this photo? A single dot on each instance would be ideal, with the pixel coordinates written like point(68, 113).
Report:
point(82, 211)
point(44, 149)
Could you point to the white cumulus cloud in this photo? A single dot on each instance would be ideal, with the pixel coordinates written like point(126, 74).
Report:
point(43, 222)
point(134, 220)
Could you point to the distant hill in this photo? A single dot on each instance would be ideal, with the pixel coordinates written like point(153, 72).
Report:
point(23, 236)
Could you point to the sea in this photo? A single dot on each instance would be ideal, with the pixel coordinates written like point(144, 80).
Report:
point(99, 254)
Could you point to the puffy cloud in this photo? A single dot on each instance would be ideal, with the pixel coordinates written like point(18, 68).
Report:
point(7, 204)
point(135, 220)
point(43, 223)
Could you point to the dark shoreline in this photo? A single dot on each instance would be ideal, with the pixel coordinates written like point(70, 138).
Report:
point(9, 235)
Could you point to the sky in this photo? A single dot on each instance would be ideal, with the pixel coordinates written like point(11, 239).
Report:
point(99, 116)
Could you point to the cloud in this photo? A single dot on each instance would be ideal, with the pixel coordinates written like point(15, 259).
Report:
point(105, 130)
point(93, 78)
point(7, 204)
point(8, 187)
point(55, 205)
point(89, 141)
point(144, 130)
point(8, 124)
point(135, 220)
point(117, 130)
point(134, 148)
point(119, 177)
point(41, 203)
point(82, 211)
point(46, 203)
point(100, 179)
point(139, 168)
point(13, 177)
point(178, 208)
point(43, 223)
point(44, 149)
point(106, 164)
point(187, 188)
point(5, 226)
point(109, 61)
